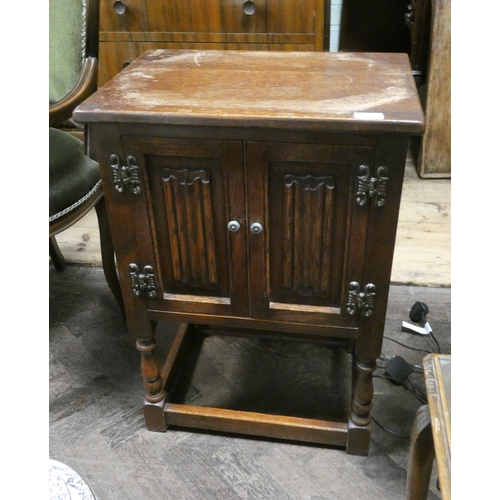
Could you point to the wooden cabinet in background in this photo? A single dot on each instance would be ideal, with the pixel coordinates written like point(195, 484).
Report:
point(130, 27)
point(434, 159)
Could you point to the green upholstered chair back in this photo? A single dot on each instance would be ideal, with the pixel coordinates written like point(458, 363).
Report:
point(67, 39)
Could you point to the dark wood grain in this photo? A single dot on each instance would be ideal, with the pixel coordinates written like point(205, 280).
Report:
point(291, 25)
point(262, 89)
point(257, 424)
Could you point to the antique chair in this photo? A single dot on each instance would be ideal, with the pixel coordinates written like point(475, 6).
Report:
point(74, 179)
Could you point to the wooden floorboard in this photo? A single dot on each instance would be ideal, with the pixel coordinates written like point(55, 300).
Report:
point(423, 244)
point(96, 424)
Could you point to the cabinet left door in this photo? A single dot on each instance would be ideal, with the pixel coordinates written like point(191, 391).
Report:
point(189, 212)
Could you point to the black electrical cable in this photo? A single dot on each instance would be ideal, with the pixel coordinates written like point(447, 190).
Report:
point(394, 433)
point(415, 391)
point(415, 394)
point(410, 387)
point(407, 346)
point(386, 377)
point(436, 342)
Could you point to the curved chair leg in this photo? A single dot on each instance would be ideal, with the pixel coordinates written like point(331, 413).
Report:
point(55, 254)
point(108, 253)
point(421, 456)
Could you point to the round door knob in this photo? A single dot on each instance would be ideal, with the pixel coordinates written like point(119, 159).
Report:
point(256, 228)
point(233, 226)
point(249, 8)
point(119, 7)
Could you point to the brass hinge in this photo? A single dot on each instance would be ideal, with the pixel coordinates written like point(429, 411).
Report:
point(125, 175)
point(142, 282)
point(360, 301)
point(371, 186)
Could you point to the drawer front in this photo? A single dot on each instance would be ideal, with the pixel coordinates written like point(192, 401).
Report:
point(210, 16)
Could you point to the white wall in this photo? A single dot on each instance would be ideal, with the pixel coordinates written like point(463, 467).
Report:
point(336, 9)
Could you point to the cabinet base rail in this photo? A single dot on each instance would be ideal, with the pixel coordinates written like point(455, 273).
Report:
point(257, 424)
point(159, 415)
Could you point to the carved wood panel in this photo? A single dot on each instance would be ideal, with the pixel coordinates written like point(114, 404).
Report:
point(191, 226)
point(308, 218)
point(303, 196)
point(311, 220)
point(189, 199)
point(308, 232)
point(190, 188)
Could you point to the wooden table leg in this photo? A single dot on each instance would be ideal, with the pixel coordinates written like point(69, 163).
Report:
point(358, 441)
point(154, 399)
point(421, 456)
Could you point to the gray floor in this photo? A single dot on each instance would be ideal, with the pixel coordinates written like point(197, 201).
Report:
point(96, 424)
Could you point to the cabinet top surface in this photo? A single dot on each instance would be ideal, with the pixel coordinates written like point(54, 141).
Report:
point(307, 90)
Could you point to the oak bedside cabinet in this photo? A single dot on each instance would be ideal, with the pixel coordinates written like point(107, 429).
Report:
point(258, 192)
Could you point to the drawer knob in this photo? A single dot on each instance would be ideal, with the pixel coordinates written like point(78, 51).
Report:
point(249, 8)
point(256, 228)
point(233, 226)
point(119, 7)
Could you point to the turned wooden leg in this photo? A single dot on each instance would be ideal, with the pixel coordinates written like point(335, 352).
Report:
point(421, 456)
point(153, 384)
point(358, 441)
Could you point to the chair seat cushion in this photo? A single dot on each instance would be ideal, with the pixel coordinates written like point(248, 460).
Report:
point(73, 176)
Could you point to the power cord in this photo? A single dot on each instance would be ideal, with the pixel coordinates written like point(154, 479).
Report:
point(407, 346)
point(418, 314)
point(397, 369)
point(436, 342)
point(394, 433)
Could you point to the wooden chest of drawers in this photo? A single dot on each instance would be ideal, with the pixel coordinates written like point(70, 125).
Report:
point(256, 191)
point(130, 27)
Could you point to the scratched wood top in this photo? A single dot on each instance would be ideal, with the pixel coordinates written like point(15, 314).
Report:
point(306, 90)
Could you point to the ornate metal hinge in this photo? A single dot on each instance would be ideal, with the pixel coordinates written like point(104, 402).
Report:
point(142, 282)
point(360, 301)
point(125, 175)
point(371, 186)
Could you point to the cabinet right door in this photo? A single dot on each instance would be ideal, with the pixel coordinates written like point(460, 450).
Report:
point(313, 236)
